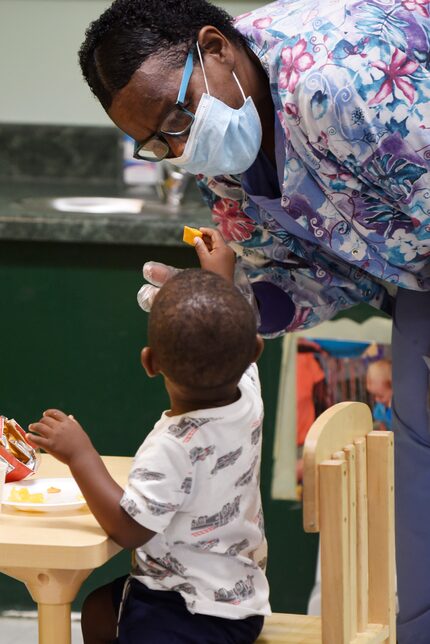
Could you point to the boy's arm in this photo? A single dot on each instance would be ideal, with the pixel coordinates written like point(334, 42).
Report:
point(63, 437)
point(214, 254)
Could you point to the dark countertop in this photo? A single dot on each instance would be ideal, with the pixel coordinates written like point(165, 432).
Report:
point(26, 214)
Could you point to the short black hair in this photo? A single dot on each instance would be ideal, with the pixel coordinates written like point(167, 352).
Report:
point(202, 330)
point(130, 31)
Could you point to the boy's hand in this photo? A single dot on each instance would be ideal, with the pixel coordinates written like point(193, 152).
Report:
point(63, 437)
point(214, 254)
point(60, 435)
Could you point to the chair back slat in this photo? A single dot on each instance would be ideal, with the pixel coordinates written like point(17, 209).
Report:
point(362, 534)
point(352, 555)
point(380, 469)
point(336, 607)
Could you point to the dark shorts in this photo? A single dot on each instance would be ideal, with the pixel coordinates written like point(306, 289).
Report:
point(161, 617)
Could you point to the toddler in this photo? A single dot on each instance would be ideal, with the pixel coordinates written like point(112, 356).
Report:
point(191, 509)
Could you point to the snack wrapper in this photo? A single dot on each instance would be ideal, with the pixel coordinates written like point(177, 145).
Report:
point(21, 458)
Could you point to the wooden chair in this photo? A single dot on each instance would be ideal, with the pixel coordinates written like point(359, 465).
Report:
point(348, 497)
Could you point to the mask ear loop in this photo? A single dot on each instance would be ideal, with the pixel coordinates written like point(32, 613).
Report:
point(203, 68)
point(239, 86)
point(206, 80)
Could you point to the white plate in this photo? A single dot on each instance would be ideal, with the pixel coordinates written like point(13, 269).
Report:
point(69, 498)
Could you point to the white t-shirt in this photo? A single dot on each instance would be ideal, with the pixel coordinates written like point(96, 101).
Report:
point(195, 482)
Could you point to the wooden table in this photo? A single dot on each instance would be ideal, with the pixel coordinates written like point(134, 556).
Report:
point(52, 553)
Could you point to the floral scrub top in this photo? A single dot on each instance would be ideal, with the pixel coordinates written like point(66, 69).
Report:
point(346, 212)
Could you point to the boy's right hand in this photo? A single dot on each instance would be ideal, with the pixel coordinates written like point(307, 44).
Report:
point(61, 435)
point(214, 254)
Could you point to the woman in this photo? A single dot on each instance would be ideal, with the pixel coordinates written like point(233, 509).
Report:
point(306, 123)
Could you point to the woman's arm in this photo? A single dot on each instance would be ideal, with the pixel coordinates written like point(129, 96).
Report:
point(295, 285)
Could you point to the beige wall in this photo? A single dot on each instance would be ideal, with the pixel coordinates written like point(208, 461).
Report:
point(40, 81)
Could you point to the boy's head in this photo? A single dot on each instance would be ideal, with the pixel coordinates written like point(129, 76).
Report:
point(379, 381)
point(202, 331)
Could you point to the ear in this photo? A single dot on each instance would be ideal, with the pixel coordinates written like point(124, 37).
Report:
point(212, 42)
point(148, 362)
point(259, 346)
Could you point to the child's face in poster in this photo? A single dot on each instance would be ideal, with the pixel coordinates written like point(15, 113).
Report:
point(378, 383)
point(381, 392)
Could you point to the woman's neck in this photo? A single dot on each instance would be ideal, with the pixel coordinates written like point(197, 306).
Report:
point(258, 87)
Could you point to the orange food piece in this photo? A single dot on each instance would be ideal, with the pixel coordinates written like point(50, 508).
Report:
point(53, 490)
point(190, 234)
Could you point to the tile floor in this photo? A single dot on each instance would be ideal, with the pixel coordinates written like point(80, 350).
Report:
point(23, 630)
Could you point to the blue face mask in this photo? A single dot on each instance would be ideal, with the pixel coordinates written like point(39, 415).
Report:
point(222, 140)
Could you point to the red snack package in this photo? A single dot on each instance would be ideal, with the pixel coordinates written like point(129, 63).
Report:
point(21, 458)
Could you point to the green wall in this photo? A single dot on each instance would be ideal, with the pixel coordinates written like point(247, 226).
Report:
point(71, 334)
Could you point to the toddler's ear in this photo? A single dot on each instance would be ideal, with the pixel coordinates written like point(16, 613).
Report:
point(259, 347)
point(148, 363)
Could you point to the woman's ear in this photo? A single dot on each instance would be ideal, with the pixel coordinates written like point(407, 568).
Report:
point(213, 42)
point(148, 362)
point(259, 346)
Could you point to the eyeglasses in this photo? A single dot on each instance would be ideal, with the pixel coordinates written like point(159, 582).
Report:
point(177, 123)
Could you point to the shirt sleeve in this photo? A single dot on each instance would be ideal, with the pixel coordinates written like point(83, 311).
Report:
point(292, 292)
point(159, 483)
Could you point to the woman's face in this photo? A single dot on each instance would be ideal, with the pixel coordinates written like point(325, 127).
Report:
point(141, 107)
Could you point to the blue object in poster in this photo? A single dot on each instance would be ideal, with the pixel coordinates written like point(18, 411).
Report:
point(342, 348)
point(382, 414)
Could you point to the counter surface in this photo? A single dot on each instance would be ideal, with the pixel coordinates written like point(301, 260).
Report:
point(27, 214)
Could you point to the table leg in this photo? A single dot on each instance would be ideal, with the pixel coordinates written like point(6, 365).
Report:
point(54, 623)
point(54, 591)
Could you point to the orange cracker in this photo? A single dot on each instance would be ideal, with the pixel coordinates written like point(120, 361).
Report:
point(190, 234)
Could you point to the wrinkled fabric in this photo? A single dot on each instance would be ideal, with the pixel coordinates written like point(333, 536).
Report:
point(411, 348)
point(350, 83)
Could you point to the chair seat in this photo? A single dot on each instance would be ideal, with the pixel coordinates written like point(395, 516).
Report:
point(282, 628)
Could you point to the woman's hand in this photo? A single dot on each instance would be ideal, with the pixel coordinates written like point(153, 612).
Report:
point(214, 254)
point(60, 435)
point(156, 274)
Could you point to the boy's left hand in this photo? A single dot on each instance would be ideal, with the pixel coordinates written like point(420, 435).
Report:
point(214, 254)
point(60, 435)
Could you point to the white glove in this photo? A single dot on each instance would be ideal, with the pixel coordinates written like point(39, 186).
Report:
point(156, 274)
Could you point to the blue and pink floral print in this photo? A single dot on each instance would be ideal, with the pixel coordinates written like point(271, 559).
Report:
point(347, 211)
